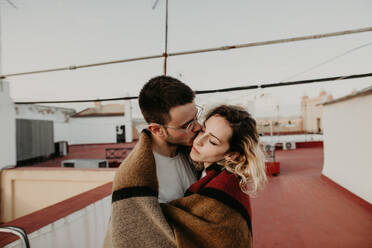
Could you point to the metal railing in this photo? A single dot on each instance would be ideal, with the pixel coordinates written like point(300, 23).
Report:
point(17, 231)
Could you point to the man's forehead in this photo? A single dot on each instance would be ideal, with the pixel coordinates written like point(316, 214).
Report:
point(182, 114)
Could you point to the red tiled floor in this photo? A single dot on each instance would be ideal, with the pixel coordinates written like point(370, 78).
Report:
point(299, 208)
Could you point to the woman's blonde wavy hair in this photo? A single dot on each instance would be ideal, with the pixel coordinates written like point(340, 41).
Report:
point(249, 161)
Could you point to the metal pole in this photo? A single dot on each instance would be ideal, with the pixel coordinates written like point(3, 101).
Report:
point(1, 52)
point(166, 39)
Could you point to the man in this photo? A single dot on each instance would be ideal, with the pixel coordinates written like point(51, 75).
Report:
point(168, 106)
point(169, 109)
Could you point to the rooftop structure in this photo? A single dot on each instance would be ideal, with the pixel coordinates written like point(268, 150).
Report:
point(347, 142)
point(102, 110)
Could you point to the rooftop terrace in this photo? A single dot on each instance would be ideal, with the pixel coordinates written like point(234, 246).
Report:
point(299, 208)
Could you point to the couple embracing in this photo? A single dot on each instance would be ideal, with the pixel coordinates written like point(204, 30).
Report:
point(185, 184)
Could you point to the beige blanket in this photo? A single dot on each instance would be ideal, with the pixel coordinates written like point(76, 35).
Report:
point(211, 216)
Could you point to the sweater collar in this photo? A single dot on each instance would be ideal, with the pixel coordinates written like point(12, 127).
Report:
point(214, 167)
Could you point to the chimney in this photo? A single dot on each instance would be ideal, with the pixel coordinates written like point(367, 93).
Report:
point(98, 105)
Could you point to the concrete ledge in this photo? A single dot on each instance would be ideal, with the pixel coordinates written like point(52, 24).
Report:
point(41, 218)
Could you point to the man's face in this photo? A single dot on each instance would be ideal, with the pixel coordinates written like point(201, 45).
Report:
point(182, 117)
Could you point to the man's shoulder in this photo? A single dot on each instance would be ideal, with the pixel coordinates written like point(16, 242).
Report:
point(142, 149)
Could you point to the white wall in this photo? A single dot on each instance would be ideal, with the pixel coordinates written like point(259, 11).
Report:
point(7, 127)
point(128, 122)
point(85, 228)
point(88, 130)
point(347, 144)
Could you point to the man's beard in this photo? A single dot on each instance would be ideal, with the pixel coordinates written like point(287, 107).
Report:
point(173, 142)
point(169, 143)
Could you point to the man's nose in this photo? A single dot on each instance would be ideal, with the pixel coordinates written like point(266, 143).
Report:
point(197, 127)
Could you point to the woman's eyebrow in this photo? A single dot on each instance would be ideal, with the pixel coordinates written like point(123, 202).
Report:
point(211, 134)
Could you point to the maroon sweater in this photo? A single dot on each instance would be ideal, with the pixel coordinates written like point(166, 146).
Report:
point(223, 186)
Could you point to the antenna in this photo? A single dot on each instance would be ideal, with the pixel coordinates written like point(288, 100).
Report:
point(166, 39)
point(1, 52)
point(156, 3)
point(12, 4)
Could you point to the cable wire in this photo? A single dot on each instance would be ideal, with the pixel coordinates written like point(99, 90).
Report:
point(223, 48)
point(199, 92)
point(327, 61)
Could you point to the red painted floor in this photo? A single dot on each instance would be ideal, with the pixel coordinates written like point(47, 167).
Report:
point(299, 208)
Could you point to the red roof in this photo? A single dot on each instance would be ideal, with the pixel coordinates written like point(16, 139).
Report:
point(102, 110)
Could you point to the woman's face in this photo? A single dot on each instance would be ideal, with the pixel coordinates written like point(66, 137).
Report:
point(212, 143)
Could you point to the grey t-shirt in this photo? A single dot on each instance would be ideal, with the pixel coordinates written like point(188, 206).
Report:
point(174, 176)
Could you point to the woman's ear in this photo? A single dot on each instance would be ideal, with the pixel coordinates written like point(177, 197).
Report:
point(156, 129)
point(232, 156)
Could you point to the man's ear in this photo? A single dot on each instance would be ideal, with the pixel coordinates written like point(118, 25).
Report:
point(156, 129)
point(232, 156)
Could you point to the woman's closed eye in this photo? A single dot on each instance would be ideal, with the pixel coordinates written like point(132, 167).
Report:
point(210, 139)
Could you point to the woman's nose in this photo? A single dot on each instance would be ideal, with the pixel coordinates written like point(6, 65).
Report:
point(199, 140)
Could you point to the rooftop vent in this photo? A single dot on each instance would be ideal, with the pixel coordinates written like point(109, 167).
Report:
point(85, 163)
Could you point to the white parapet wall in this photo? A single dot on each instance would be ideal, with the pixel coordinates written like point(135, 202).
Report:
point(85, 228)
point(43, 187)
point(347, 144)
point(7, 127)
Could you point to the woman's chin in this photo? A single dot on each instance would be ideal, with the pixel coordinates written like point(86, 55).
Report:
point(194, 157)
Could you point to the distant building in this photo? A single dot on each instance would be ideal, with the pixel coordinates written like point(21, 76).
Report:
point(100, 124)
point(312, 109)
point(347, 123)
point(280, 125)
point(37, 130)
point(102, 110)
point(38, 127)
point(310, 120)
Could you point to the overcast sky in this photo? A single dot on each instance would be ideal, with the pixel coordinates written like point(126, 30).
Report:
point(42, 34)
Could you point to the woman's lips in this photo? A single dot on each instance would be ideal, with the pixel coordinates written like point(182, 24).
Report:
point(194, 150)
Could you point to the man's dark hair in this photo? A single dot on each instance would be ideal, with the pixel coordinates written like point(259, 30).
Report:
point(159, 95)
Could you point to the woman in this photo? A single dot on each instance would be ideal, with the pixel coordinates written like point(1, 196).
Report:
point(215, 211)
point(229, 137)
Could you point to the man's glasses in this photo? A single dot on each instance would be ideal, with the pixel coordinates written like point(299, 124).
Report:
point(188, 127)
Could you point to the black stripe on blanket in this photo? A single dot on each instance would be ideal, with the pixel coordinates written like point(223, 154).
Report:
point(125, 193)
point(229, 201)
point(188, 192)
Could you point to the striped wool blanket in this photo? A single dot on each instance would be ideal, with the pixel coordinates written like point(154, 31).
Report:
point(213, 213)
